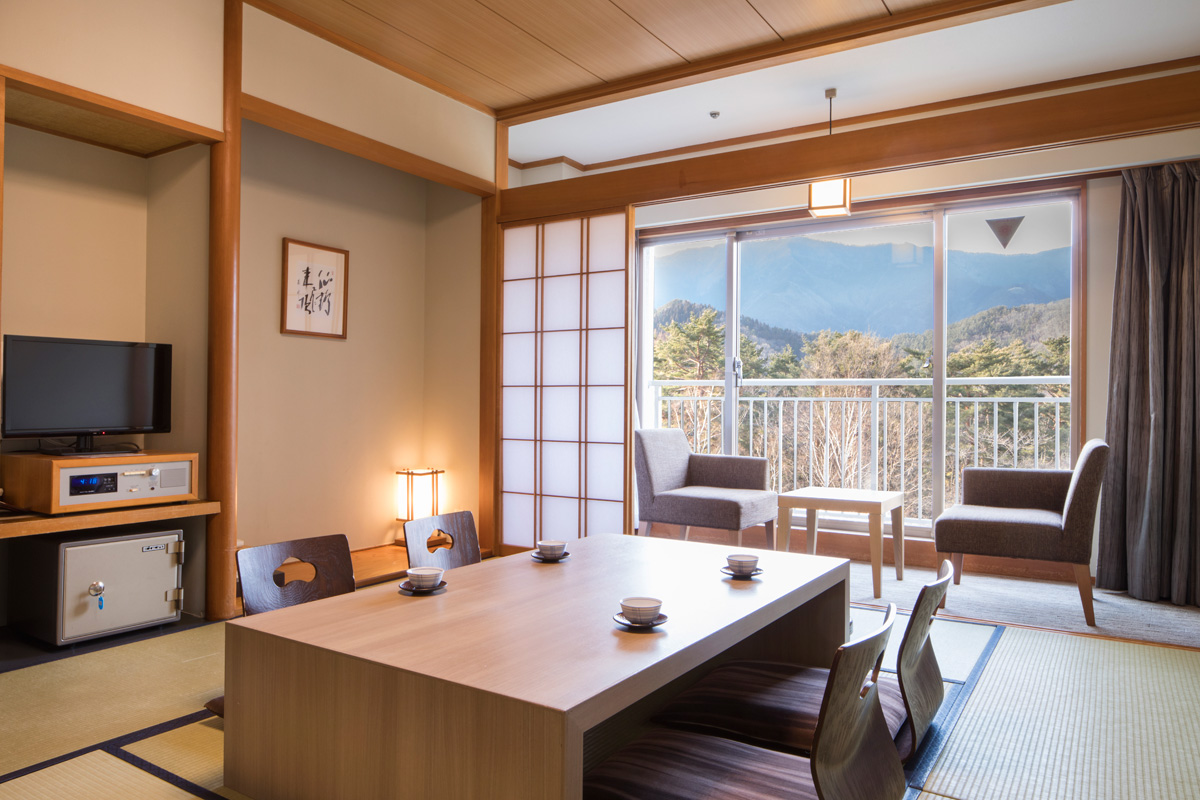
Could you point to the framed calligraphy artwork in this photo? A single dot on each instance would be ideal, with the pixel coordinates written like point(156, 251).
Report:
point(315, 280)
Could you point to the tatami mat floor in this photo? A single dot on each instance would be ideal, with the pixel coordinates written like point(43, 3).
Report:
point(1029, 715)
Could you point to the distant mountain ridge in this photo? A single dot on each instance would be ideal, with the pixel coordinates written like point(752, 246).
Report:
point(807, 285)
point(1030, 323)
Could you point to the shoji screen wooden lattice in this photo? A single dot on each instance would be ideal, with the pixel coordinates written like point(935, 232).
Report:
point(562, 426)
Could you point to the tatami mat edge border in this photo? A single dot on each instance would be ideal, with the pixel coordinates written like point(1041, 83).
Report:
point(112, 745)
point(944, 723)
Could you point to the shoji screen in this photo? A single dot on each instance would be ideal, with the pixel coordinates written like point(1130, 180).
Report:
point(564, 353)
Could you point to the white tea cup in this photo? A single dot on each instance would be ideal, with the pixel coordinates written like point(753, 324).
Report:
point(641, 610)
point(425, 577)
point(551, 548)
point(742, 563)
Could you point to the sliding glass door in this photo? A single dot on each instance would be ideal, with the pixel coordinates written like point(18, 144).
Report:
point(883, 352)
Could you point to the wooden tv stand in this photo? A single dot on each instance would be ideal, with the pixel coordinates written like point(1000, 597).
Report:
point(34, 524)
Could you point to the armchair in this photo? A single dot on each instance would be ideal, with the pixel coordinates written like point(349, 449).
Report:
point(678, 487)
point(1045, 514)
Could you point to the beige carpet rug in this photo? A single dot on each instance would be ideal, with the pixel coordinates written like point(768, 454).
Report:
point(53, 709)
point(1040, 604)
point(1058, 717)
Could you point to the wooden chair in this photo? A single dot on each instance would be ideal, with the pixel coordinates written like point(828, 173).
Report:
point(1044, 514)
point(778, 705)
point(265, 590)
point(458, 527)
point(852, 754)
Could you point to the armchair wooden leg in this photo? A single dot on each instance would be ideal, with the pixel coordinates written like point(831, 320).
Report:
point(683, 531)
point(643, 528)
point(1083, 577)
point(941, 557)
point(771, 537)
point(956, 559)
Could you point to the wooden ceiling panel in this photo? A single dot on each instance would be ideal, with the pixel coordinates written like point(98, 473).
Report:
point(412, 58)
point(792, 18)
point(701, 28)
point(50, 116)
point(484, 41)
point(600, 37)
point(897, 6)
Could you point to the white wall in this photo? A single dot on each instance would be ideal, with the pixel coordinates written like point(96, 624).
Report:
point(305, 73)
point(324, 423)
point(163, 55)
point(452, 301)
point(74, 239)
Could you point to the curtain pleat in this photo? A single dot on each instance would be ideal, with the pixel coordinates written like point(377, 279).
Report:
point(1150, 513)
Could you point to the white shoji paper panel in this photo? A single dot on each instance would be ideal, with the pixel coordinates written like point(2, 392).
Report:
point(562, 247)
point(606, 242)
point(561, 414)
point(605, 517)
point(606, 414)
point(520, 306)
point(560, 359)
point(518, 520)
point(518, 466)
point(518, 416)
point(606, 300)
point(520, 252)
point(519, 357)
point(606, 358)
point(560, 468)
point(605, 471)
point(560, 518)
point(560, 303)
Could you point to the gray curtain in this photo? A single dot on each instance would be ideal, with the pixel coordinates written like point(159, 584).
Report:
point(1150, 515)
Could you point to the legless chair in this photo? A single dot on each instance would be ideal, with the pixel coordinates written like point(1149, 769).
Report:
point(265, 589)
point(778, 705)
point(852, 753)
point(458, 527)
point(1047, 514)
point(678, 487)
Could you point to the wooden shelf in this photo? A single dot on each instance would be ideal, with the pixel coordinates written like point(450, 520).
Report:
point(31, 524)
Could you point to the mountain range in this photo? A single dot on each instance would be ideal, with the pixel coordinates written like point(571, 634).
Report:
point(806, 285)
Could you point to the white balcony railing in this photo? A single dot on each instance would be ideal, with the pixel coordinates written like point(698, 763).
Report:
point(876, 433)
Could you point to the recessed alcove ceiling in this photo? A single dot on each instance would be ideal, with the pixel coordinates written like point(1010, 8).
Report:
point(594, 81)
point(76, 122)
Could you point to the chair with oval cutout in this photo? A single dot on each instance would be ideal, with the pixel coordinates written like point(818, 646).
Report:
point(446, 541)
point(266, 588)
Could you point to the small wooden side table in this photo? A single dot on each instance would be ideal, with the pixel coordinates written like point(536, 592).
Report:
point(863, 501)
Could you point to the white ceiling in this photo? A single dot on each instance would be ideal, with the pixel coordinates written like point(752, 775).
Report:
point(1080, 37)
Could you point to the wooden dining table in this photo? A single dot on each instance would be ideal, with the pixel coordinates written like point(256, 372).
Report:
point(511, 681)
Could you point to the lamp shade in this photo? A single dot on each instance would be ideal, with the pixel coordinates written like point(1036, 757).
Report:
point(829, 198)
point(417, 492)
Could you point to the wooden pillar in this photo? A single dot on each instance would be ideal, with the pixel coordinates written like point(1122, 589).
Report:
point(224, 246)
point(3, 89)
point(489, 354)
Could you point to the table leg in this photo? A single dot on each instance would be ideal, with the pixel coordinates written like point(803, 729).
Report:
point(898, 540)
point(812, 531)
point(876, 519)
point(783, 532)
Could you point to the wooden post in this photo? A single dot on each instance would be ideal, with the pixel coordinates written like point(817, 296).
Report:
point(224, 246)
point(489, 354)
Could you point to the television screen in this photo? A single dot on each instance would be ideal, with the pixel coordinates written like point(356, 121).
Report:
point(80, 387)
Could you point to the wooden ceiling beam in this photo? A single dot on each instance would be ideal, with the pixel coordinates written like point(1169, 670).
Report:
point(1110, 112)
point(859, 34)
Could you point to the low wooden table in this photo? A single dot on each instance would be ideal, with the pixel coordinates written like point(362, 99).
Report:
point(514, 680)
point(862, 501)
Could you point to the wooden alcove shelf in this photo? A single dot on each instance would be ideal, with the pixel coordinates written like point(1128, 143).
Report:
point(33, 524)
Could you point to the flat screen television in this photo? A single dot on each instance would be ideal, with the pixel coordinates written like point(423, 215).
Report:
point(83, 388)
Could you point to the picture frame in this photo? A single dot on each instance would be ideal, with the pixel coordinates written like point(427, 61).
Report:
point(316, 280)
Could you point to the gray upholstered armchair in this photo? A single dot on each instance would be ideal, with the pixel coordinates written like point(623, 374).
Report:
point(1047, 514)
point(678, 487)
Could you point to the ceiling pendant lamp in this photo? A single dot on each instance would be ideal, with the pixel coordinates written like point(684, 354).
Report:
point(829, 198)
